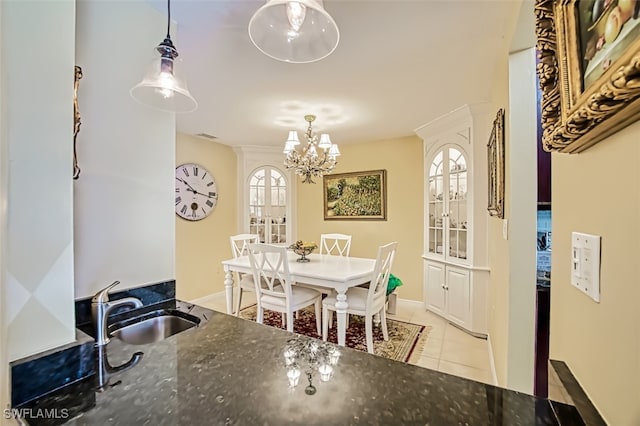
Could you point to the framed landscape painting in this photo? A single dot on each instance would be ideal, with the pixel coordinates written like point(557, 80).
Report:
point(588, 66)
point(356, 196)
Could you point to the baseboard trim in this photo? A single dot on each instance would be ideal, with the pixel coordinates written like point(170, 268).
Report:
point(207, 298)
point(492, 362)
point(409, 301)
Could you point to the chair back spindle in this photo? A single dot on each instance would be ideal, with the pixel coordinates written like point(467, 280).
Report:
point(335, 244)
point(240, 247)
point(240, 243)
point(380, 277)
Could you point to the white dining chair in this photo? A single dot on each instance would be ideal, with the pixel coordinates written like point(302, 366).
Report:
point(275, 289)
point(335, 244)
point(240, 247)
point(366, 302)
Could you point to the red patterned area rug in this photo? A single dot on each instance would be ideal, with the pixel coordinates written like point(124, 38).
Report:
point(405, 343)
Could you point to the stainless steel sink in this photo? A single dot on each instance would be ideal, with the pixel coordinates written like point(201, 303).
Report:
point(154, 328)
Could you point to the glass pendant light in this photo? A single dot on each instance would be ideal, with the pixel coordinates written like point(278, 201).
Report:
point(163, 87)
point(294, 31)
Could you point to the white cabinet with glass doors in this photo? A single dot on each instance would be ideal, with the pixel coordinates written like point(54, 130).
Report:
point(268, 205)
point(456, 276)
point(447, 207)
point(266, 196)
point(449, 292)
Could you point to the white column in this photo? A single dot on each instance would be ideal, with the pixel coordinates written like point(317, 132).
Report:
point(522, 199)
point(38, 44)
point(4, 184)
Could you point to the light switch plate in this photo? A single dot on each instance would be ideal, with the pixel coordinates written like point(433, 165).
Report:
point(505, 229)
point(585, 264)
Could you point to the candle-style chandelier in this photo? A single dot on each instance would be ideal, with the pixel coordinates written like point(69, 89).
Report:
point(308, 162)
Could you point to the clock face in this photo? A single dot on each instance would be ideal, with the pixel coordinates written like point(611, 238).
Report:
point(196, 192)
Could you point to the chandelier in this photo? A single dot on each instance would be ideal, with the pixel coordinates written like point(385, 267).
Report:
point(308, 163)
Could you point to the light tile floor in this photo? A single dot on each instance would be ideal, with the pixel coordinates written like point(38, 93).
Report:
point(448, 349)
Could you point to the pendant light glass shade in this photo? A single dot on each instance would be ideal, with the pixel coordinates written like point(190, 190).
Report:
point(294, 31)
point(163, 86)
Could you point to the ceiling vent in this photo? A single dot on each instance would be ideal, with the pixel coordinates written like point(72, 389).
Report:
point(207, 136)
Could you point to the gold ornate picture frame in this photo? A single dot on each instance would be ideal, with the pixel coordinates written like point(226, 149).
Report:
point(355, 196)
point(588, 68)
point(495, 158)
point(76, 120)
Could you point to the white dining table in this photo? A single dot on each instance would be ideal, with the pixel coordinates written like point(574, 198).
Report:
point(324, 271)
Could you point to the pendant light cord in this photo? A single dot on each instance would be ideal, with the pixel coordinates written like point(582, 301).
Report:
point(168, 16)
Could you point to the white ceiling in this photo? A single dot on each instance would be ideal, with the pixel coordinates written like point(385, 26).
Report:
point(399, 64)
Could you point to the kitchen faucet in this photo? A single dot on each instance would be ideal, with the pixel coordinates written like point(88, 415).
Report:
point(101, 307)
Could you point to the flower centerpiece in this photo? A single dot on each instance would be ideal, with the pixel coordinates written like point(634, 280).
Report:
point(302, 249)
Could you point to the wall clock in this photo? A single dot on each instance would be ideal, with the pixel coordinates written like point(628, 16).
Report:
point(196, 192)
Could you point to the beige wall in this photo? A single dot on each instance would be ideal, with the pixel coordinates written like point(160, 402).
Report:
point(498, 300)
point(597, 192)
point(202, 245)
point(403, 160)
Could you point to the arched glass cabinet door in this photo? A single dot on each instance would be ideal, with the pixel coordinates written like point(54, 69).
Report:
point(448, 225)
point(458, 222)
point(268, 205)
point(436, 204)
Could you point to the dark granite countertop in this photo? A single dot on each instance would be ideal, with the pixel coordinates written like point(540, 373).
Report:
point(231, 371)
